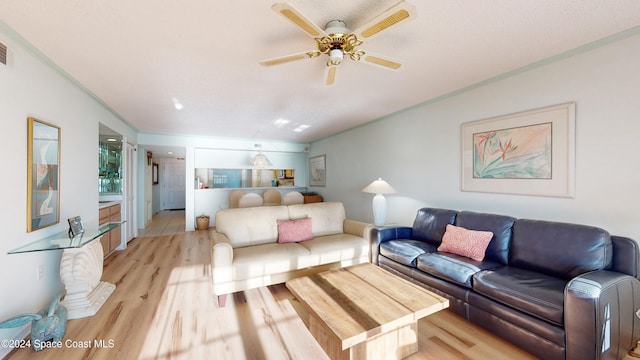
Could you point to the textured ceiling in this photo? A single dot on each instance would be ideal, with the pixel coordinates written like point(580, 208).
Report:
point(138, 56)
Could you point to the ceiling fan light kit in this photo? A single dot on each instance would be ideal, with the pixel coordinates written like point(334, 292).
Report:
point(336, 40)
point(336, 56)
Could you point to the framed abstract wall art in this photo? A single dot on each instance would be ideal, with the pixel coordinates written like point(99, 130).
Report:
point(43, 175)
point(527, 153)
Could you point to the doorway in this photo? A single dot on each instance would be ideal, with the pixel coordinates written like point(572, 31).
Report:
point(173, 176)
point(130, 228)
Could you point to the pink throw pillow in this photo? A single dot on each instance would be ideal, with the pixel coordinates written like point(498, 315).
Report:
point(294, 230)
point(468, 243)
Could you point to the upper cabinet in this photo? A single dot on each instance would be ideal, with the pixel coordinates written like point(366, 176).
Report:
point(109, 162)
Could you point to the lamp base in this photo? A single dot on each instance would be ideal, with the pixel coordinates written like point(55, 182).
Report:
point(379, 209)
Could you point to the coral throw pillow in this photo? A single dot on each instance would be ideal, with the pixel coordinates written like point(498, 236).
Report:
point(294, 230)
point(468, 243)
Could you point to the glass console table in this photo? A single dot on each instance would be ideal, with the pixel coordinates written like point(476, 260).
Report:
point(80, 268)
point(61, 241)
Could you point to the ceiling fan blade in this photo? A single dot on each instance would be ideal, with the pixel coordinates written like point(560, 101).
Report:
point(395, 14)
point(288, 58)
point(296, 17)
point(330, 75)
point(378, 60)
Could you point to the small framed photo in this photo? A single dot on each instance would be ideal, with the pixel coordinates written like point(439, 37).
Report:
point(75, 226)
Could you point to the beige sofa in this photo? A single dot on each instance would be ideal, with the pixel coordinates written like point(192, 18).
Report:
point(246, 253)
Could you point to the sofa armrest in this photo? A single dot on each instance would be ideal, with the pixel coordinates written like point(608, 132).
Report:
point(626, 253)
point(378, 235)
point(221, 259)
point(600, 315)
point(357, 228)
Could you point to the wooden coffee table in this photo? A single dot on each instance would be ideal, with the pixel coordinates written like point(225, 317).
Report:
point(364, 312)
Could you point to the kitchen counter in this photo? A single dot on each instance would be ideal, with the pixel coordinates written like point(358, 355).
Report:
point(104, 204)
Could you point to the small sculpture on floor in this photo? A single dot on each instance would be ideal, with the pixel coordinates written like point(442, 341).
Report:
point(48, 324)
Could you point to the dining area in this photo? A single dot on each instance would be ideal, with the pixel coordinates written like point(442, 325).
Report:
point(209, 201)
point(240, 198)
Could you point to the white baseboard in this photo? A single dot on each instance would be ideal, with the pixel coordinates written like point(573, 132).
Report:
point(22, 334)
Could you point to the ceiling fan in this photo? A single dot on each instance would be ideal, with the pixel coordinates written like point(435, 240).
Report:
point(337, 41)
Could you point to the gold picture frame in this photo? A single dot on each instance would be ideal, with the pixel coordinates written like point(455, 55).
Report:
point(43, 175)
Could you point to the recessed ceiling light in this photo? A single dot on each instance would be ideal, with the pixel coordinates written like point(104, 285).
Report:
point(112, 139)
point(280, 122)
point(301, 128)
point(177, 104)
point(170, 152)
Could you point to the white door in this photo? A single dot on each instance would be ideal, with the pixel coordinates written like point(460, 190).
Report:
point(129, 193)
point(173, 184)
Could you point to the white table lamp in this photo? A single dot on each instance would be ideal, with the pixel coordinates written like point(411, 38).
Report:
point(379, 187)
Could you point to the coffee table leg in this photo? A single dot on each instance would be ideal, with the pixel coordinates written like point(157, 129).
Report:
point(397, 343)
point(327, 339)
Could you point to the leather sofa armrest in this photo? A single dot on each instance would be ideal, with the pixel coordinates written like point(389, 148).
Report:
point(600, 315)
point(378, 235)
point(626, 255)
point(221, 258)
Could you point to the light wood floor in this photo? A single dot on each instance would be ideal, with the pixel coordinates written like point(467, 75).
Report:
point(163, 308)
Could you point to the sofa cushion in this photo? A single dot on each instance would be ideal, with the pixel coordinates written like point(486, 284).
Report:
point(465, 242)
point(451, 267)
point(268, 259)
point(536, 246)
point(294, 230)
point(499, 225)
point(531, 292)
point(327, 218)
point(430, 224)
point(405, 251)
point(334, 248)
point(252, 225)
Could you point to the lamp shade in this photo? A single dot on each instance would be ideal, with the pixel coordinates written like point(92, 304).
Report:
point(379, 187)
point(336, 56)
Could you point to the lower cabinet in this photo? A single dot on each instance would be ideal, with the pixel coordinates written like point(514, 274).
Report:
point(111, 240)
point(312, 198)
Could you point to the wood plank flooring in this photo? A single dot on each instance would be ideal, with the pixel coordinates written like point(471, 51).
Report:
point(163, 308)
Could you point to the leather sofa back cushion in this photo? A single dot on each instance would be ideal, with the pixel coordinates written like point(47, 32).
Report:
point(536, 244)
point(327, 218)
point(499, 225)
point(294, 230)
point(252, 225)
point(430, 224)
